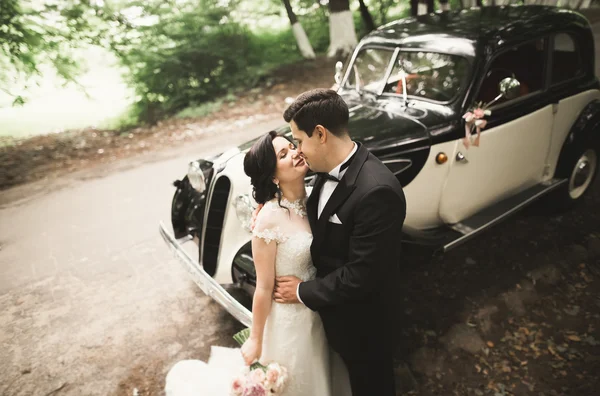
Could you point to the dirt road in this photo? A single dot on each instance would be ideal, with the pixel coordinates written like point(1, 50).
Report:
point(88, 289)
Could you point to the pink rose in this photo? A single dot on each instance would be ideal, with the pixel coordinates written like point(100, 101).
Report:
point(478, 113)
point(237, 387)
point(257, 376)
point(272, 375)
point(255, 390)
point(279, 376)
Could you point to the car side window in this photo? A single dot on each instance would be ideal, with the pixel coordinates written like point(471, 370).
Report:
point(525, 62)
point(566, 58)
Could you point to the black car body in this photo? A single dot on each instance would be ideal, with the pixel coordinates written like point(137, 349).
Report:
point(408, 86)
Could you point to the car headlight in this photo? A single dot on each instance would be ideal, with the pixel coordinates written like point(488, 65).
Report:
point(243, 209)
point(196, 177)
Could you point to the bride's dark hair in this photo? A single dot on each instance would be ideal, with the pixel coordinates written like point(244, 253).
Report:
point(260, 164)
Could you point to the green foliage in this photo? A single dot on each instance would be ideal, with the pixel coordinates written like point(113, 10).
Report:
point(34, 33)
point(316, 26)
point(180, 54)
point(185, 57)
point(202, 110)
point(128, 119)
point(192, 56)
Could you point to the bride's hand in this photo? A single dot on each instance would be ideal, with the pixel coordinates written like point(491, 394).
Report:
point(251, 350)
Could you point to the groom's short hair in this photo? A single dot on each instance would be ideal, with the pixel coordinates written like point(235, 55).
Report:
point(319, 107)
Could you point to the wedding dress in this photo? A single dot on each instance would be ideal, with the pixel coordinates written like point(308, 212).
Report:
point(293, 335)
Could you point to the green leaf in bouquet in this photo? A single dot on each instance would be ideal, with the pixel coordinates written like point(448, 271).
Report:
point(258, 365)
point(242, 336)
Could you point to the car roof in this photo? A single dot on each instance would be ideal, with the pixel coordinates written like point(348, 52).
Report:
point(462, 31)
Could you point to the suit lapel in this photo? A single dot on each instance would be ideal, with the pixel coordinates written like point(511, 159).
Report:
point(312, 204)
point(343, 190)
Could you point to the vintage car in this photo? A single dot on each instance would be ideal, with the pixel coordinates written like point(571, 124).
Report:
point(409, 85)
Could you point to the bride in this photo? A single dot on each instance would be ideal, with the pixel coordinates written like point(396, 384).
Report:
point(289, 334)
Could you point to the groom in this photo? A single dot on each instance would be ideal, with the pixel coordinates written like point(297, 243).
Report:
point(356, 211)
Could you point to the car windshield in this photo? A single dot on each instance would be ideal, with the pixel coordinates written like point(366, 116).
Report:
point(368, 69)
point(428, 75)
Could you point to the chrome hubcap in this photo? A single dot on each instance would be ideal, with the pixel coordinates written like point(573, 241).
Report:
point(582, 175)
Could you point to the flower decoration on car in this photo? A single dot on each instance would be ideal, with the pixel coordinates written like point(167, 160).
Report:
point(475, 119)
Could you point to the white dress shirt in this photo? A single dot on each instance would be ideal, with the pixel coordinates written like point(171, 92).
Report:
point(330, 185)
point(327, 190)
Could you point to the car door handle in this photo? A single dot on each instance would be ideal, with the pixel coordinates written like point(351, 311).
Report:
point(460, 157)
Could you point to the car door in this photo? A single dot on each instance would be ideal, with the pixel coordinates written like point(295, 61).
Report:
point(569, 60)
point(514, 145)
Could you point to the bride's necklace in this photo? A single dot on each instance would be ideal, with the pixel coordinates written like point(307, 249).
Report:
point(297, 206)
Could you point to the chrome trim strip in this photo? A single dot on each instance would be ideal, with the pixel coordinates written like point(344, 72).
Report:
point(405, 142)
point(550, 186)
point(463, 229)
point(398, 161)
point(205, 282)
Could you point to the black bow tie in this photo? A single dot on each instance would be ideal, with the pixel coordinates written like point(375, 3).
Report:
point(345, 165)
point(327, 176)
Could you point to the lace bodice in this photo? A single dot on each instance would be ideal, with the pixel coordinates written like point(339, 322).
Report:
point(287, 226)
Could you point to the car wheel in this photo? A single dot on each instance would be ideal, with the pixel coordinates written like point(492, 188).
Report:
point(580, 176)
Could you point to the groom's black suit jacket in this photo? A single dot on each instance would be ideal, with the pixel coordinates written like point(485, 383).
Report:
point(357, 261)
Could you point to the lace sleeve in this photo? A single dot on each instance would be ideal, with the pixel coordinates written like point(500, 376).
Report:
point(270, 234)
point(267, 226)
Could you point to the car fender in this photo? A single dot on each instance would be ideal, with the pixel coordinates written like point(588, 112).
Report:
point(584, 132)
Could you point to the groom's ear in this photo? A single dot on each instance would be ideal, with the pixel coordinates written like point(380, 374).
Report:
point(321, 132)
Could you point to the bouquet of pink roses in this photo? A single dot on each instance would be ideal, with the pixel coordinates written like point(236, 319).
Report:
point(258, 380)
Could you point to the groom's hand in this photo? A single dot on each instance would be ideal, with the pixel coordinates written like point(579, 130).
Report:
point(285, 289)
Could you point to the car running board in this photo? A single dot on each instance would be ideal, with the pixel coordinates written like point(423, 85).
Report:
point(492, 215)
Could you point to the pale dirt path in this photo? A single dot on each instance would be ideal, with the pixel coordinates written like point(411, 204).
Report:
point(88, 289)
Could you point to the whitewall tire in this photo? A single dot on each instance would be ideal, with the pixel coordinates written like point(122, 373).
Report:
point(581, 174)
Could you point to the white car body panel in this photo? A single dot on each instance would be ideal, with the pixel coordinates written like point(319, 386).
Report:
point(511, 157)
point(423, 194)
point(233, 235)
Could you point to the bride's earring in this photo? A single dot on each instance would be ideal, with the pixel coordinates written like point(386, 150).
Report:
point(278, 189)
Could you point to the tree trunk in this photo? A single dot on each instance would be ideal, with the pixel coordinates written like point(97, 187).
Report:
point(290, 12)
point(444, 5)
point(424, 7)
point(304, 45)
point(366, 16)
point(342, 35)
point(584, 4)
point(430, 6)
point(414, 7)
